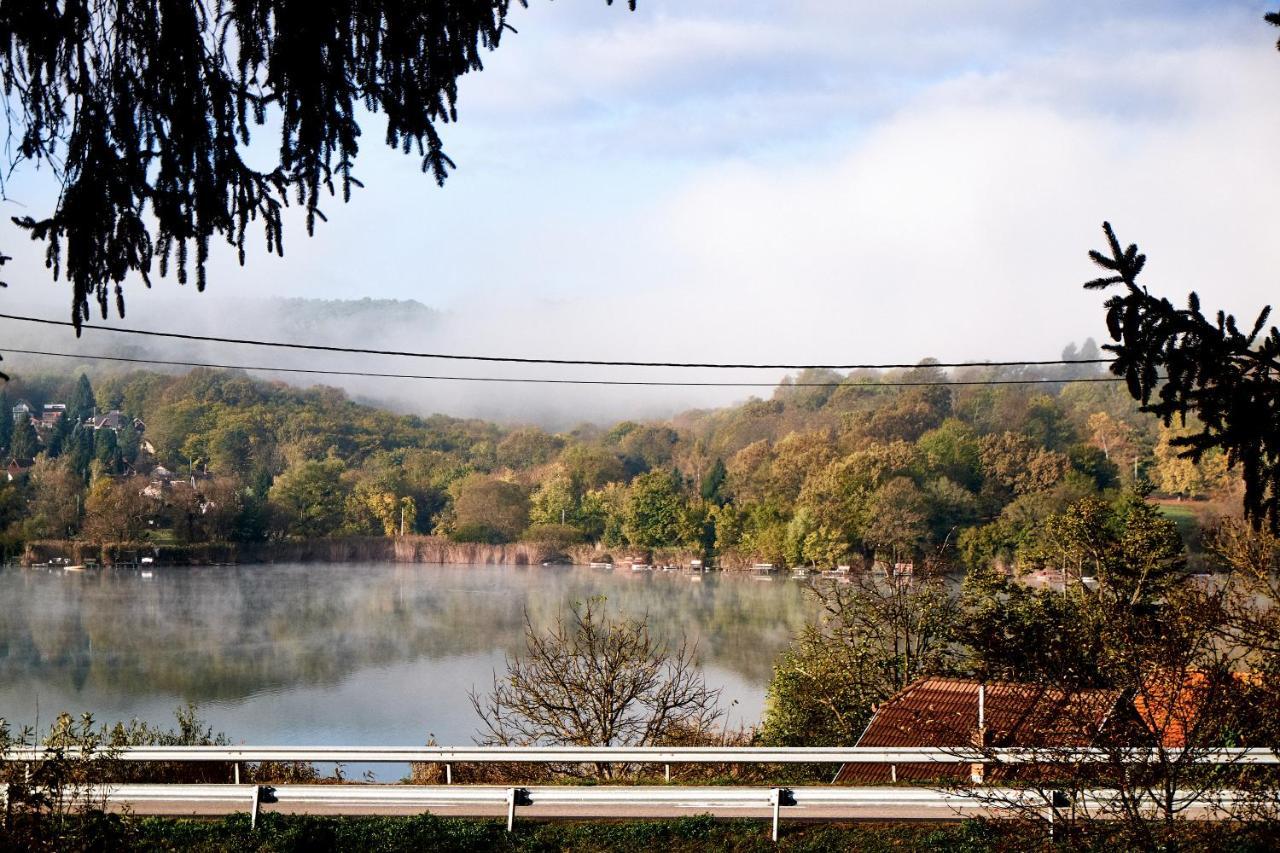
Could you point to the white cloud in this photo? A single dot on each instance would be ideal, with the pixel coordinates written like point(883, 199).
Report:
point(803, 181)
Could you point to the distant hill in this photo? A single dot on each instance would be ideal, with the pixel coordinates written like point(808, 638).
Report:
point(308, 319)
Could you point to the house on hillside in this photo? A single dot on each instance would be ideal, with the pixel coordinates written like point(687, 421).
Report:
point(17, 468)
point(113, 420)
point(22, 411)
point(955, 712)
point(52, 413)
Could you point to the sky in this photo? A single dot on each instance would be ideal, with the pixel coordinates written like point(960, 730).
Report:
point(799, 180)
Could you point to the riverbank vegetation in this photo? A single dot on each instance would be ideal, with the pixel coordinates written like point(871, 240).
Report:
point(832, 468)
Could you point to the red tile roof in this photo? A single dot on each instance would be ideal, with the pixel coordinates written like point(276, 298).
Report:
point(1171, 705)
point(943, 712)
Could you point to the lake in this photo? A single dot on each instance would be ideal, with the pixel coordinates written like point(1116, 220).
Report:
point(344, 654)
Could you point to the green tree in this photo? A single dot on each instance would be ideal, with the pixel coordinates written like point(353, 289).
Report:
point(1015, 633)
point(57, 436)
point(82, 404)
point(6, 423)
point(591, 467)
point(1135, 553)
point(79, 450)
point(528, 447)
point(487, 509)
point(952, 451)
point(129, 442)
point(308, 500)
point(554, 501)
point(820, 694)
point(648, 447)
point(713, 484)
point(106, 450)
point(653, 511)
point(874, 636)
point(25, 442)
point(603, 513)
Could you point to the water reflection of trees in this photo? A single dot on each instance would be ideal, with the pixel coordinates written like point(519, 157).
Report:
point(228, 633)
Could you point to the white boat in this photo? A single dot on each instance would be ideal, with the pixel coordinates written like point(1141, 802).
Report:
point(147, 575)
point(601, 565)
point(641, 567)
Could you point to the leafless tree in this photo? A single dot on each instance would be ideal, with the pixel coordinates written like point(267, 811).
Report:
point(597, 679)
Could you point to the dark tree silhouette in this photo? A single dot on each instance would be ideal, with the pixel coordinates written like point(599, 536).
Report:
point(144, 109)
point(1178, 362)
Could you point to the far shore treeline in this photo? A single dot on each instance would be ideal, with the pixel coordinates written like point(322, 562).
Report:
point(832, 468)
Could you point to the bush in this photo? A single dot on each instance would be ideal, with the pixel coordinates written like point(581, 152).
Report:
point(481, 533)
point(557, 536)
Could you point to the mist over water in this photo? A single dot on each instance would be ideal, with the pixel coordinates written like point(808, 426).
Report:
point(361, 654)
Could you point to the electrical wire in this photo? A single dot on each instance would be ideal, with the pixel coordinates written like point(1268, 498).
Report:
point(534, 380)
point(562, 361)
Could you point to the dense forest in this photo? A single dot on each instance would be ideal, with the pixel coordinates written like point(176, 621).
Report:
point(897, 465)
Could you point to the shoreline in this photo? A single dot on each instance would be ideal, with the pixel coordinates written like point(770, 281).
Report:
point(351, 549)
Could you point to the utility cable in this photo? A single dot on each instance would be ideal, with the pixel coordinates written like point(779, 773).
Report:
point(533, 380)
point(184, 336)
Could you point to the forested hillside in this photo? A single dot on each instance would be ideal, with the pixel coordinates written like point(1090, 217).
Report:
point(898, 465)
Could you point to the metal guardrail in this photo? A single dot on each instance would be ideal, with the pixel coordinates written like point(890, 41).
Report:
point(914, 803)
point(652, 755)
point(234, 796)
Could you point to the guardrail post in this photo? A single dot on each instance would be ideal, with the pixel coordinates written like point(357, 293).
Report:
point(668, 772)
point(516, 797)
point(261, 794)
point(778, 798)
point(448, 774)
point(1057, 800)
point(236, 767)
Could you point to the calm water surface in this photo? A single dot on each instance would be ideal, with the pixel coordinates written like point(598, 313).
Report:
point(365, 654)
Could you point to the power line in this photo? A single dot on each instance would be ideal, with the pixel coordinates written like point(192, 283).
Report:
point(519, 360)
point(533, 380)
